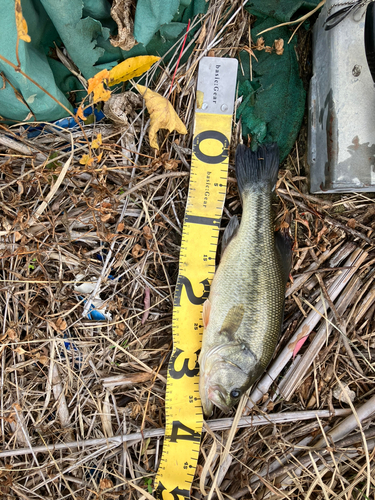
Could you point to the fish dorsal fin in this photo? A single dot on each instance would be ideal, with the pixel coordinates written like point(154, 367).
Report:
point(283, 244)
point(232, 321)
point(206, 312)
point(229, 233)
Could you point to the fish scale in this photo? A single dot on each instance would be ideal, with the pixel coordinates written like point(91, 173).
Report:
point(251, 275)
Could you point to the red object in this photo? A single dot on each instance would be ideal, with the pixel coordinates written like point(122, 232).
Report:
point(298, 345)
point(179, 58)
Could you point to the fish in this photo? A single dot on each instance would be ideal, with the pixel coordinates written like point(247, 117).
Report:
point(243, 315)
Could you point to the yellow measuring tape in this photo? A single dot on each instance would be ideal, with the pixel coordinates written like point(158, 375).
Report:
point(207, 189)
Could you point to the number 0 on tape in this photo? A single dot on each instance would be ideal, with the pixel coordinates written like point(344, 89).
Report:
point(208, 180)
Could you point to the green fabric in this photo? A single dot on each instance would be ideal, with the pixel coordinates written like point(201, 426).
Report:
point(34, 62)
point(273, 102)
point(280, 10)
point(150, 15)
point(84, 28)
point(84, 38)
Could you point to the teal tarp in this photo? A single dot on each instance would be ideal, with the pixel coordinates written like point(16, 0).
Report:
point(84, 28)
point(273, 102)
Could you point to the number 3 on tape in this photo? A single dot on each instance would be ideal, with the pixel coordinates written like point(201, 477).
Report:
point(208, 180)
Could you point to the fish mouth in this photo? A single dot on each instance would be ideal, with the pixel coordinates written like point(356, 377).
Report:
point(211, 395)
point(216, 397)
point(207, 405)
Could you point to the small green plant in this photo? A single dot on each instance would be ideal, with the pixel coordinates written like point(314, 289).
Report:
point(53, 165)
point(31, 266)
point(148, 483)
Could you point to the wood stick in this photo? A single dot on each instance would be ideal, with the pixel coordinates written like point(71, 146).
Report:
point(295, 378)
point(214, 425)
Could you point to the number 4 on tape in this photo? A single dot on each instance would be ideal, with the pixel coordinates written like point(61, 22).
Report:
point(207, 188)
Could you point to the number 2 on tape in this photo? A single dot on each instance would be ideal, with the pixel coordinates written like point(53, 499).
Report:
point(207, 189)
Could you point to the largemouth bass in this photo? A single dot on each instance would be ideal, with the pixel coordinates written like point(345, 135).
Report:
point(243, 315)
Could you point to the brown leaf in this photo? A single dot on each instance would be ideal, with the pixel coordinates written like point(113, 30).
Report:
point(12, 334)
point(120, 227)
point(105, 217)
point(121, 14)
point(199, 470)
point(59, 325)
point(20, 350)
point(202, 35)
point(43, 359)
point(260, 44)
point(105, 484)
point(137, 251)
point(352, 223)
point(279, 46)
point(171, 164)
point(147, 233)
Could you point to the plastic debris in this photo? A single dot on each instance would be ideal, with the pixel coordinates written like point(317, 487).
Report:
point(97, 310)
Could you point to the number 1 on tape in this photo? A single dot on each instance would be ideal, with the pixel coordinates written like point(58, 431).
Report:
point(208, 180)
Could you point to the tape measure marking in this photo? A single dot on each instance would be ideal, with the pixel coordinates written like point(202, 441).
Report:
point(207, 189)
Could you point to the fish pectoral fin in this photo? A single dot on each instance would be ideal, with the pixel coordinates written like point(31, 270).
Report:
point(229, 233)
point(283, 244)
point(206, 313)
point(232, 321)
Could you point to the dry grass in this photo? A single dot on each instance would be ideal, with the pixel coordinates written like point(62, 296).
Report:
point(116, 223)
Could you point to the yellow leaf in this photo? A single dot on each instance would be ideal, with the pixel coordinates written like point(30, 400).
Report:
point(130, 68)
point(162, 115)
point(86, 160)
point(96, 143)
point(96, 85)
point(21, 23)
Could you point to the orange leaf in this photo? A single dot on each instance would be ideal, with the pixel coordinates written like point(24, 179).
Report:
point(21, 24)
point(80, 114)
point(86, 160)
point(97, 80)
point(96, 85)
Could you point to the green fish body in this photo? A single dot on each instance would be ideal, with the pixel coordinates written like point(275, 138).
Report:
point(244, 312)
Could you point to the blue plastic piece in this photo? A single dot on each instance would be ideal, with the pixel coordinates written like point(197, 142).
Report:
point(68, 122)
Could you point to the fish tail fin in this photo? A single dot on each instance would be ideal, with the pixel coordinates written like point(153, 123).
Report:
point(257, 168)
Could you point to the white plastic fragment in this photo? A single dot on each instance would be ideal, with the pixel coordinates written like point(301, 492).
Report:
point(97, 308)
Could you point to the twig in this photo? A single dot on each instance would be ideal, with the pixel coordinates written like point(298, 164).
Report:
point(294, 379)
point(340, 323)
point(336, 259)
point(350, 423)
point(214, 425)
point(299, 20)
point(305, 461)
point(151, 179)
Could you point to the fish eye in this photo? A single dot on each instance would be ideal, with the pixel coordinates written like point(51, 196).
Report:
point(235, 394)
